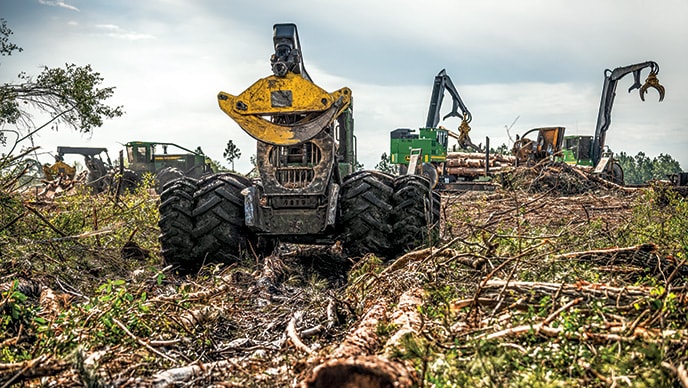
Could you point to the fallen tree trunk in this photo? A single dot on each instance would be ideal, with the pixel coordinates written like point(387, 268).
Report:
point(647, 248)
point(643, 255)
point(352, 364)
point(44, 365)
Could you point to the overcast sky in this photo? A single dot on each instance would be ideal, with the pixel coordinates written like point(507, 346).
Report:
point(541, 61)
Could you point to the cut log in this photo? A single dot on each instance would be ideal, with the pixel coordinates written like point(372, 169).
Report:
point(469, 172)
point(354, 364)
point(477, 155)
point(359, 372)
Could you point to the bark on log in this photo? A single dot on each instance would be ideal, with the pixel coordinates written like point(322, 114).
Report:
point(469, 172)
point(359, 372)
point(406, 317)
point(478, 155)
point(364, 339)
point(176, 376)
point(353, 363)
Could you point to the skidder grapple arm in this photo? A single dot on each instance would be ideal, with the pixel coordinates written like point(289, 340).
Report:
point(290, 95)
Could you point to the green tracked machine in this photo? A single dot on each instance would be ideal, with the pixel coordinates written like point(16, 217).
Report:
point(589, 151)
point(308, 191)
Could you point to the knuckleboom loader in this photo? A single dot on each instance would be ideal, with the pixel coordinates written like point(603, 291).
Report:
point(308, 191)
point(426, 151)
point(590, 151)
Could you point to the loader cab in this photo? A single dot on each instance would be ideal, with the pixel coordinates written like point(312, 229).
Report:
point(433, 142)
point(577, 150)
point(139, 153)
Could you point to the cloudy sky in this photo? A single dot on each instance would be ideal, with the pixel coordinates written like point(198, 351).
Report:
point(536, 62)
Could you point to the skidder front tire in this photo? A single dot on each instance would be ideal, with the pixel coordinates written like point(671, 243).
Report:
point(366, 213)
point(165, 176)
point(414, 213)
point(176, 224)
point(220, 231)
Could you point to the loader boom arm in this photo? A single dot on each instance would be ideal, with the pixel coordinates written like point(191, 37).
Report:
point(611, 78)
point(442, 83)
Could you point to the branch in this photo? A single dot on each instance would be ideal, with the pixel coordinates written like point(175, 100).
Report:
point(293, 335)
point(141, 342)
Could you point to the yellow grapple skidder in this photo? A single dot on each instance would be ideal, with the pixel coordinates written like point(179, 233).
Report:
point(308, 191)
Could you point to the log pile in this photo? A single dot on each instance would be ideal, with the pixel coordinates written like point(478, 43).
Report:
point(472, 164)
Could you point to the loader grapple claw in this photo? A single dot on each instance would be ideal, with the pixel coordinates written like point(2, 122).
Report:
point(652, 82)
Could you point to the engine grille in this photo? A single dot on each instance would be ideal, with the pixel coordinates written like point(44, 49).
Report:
point(294, 165)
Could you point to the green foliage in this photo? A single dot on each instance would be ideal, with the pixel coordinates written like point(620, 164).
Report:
point(660, 216)
point(503, 149)
point(16, 314)
point(83, 238)
point(70, 95)
point(78, 240)
point(7, 47)
point(640, 169)
point(385, 165)
point(231, 153)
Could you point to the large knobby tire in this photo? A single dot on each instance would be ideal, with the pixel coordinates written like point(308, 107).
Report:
point(127, 182)
point(617, 173)
point(220, 231)
point(130, 181)
point(366, 213)
point(96, 182)
point(165, 176)
point(414, 213)
point(176, 224)
point(436, 210)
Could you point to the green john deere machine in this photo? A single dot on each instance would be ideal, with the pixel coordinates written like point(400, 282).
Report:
point(167, 161)
point(590, 151)
point(426, 149)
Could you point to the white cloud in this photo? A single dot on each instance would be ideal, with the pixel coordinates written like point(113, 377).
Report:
point(58, 3)
point(538, 60)
point(110, 27)
point(114, 31)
